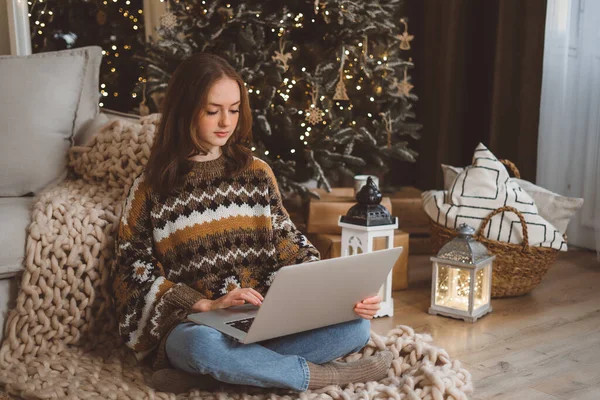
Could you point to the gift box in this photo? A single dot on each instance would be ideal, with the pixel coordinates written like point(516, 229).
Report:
point(420, 243)
point(324, 213)
point(407, 205)
point(330, 246)
point(295, 207)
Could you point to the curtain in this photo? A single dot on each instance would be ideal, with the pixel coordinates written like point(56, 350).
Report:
point(478, 77)
point(569, 135)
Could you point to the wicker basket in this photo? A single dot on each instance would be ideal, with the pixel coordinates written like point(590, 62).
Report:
point(518, 268)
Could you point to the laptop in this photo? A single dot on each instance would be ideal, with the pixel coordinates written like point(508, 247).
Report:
point(306, 296)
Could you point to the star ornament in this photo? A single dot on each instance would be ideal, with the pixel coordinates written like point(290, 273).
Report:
point(404, 87)
point(405, 39)
point(283, 58)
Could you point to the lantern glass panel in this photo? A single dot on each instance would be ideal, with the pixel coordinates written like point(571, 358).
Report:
point(482, 287)
point(452, 287)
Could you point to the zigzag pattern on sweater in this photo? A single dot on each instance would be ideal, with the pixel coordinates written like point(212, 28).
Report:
point(227, 257)
point(205, 196)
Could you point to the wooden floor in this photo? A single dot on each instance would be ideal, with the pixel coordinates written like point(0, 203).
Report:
point(542, 346)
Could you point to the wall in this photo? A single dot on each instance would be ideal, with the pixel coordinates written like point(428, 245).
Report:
point(4, 37)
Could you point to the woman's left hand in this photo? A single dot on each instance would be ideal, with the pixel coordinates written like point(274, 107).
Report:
point(368, 307)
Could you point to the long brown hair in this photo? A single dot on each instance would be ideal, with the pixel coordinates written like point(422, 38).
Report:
point(185, 102)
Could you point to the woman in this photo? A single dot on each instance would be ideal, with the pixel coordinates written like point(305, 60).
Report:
point(204, 228)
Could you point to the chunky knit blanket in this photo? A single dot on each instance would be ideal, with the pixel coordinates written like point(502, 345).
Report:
point(61, 339)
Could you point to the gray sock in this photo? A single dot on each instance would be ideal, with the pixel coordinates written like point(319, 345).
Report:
point(367, 369)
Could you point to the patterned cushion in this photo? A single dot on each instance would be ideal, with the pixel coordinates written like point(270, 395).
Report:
point(483, 187)
point(554, 208)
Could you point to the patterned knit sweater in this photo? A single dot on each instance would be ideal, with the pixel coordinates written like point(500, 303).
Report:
point(221, 232)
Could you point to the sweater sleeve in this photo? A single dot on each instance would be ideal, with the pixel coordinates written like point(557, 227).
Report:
point(292, 246)
point(148, 305)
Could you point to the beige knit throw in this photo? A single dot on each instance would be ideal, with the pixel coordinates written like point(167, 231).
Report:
point(61, 339)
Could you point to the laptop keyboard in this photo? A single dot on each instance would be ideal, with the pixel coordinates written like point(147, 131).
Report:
point(242, 324)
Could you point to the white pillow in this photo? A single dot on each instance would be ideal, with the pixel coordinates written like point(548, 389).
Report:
point(450, 173)
point(482, 188)
point(554, 208)
point(45, 98)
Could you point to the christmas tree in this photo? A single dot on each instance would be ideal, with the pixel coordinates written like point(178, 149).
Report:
point(115, 25)
point(328, 80)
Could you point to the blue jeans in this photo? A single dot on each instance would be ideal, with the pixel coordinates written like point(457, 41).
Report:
point(275, 363)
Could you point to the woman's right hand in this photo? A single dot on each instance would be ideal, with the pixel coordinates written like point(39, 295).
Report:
point(236, 297)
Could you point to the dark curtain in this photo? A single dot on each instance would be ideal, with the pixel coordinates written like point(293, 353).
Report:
point(478, 75)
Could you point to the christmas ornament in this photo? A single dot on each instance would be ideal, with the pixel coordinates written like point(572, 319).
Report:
point(403, 87)
point(365, 48)
point(282, 57)
point(405, 38)
point(144, 109)
point(340, 88)
point(314, 114)
point(340, 91)
point(168, 21)
point(387, 119)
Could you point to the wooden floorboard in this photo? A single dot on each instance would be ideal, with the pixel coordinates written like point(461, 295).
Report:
point(544, 345)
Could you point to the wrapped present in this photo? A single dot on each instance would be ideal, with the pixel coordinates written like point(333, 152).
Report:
point(330, 246)
point(407, 205)
point(324, 213)
point(420, 243)
point(296, 209)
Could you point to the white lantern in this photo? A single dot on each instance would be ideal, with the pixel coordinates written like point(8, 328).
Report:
point(462, 278)
point(364, 222)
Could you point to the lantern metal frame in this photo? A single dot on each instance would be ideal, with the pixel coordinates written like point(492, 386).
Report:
point(463, 254)
point(472, 314)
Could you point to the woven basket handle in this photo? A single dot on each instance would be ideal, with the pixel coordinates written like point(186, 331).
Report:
point(513, 168)
point(525, 244)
